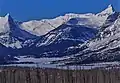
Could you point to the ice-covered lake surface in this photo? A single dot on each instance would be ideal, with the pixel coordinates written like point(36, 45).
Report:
point(45, 63)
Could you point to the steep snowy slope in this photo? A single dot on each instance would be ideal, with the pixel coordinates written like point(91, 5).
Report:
point(56, 41)
point(109, 33)
point(65, 32)
point(11, 34)
point(105, 47)
point(44, 26)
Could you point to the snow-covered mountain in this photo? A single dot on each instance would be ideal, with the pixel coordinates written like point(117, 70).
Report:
point(61, 38)
point(11, 34)
point(72, 35)
point(105, 47)
point(41, 27)
point(79, 29)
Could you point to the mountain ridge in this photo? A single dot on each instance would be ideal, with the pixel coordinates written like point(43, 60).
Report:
point(38, 27)
point(70, 35)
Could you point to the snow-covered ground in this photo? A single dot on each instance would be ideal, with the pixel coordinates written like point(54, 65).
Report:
point(45, 63)
point(37, 62)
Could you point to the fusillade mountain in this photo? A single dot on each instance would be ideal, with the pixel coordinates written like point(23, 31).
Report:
point(11, 34)
point(74, 35)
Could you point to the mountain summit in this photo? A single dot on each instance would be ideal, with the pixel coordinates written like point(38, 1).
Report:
point(11, 34)
point(108, 11)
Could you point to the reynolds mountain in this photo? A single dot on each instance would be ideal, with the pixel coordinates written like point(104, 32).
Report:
point(104, 47)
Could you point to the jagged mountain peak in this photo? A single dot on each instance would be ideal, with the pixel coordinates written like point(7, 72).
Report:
point(6, 19)
point(11, 33)
point(7, 15)
point(9, 18)
point(111, 19)
point(108, 37)
point(109, 28)
point(4, 24)
point(108, 11)
point(110, 5)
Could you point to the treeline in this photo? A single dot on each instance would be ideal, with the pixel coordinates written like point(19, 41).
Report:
point(43, 75)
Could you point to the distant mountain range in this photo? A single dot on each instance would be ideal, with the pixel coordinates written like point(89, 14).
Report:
point(83, 37)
